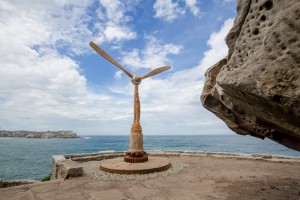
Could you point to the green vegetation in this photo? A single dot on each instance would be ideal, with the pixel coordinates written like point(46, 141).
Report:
point(46, 178)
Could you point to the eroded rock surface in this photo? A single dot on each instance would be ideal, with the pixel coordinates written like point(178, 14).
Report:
point(256, 88)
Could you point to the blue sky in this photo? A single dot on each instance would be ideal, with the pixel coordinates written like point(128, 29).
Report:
point(50, 78)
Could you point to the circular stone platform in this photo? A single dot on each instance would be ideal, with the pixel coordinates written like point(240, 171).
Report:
point(118, 165)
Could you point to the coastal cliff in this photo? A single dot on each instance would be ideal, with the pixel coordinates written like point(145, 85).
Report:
point(42, 135)
point(255, 90)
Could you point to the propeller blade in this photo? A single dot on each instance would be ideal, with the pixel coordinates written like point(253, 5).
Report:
point(156, 71)
point(109, 58)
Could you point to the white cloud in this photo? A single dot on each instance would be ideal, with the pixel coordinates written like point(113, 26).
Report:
point(114, 32)
point(154, 55)
point(218, 46)
point(66, 25)
point(118, 75)
point(167, 10)
point(192, 5)
point(114, 10)
point(112, 25)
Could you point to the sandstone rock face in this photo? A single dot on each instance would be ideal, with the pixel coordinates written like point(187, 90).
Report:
point(256, 88)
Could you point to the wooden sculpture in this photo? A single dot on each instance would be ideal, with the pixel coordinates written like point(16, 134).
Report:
point(136, 152)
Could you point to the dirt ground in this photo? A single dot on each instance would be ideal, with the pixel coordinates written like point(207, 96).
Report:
point(201, 178)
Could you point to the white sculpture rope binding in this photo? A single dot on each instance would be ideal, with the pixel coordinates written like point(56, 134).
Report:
point(136, 153)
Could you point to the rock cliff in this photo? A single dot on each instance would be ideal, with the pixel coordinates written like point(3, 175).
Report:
point(255, 90)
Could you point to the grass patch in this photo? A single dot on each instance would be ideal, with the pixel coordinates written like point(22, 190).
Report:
point(46, 178)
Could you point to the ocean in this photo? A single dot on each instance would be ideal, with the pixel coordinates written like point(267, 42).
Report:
point(22, 158)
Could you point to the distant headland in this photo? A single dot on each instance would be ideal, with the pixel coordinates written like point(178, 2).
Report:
point(38, 134)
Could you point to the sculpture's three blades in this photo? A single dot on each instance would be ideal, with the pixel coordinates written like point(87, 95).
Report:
point(109, 58)
point(156, 71)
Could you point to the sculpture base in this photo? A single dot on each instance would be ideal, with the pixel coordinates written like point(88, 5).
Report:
point(131, 159)
point(118, 165)
point(136, 157)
